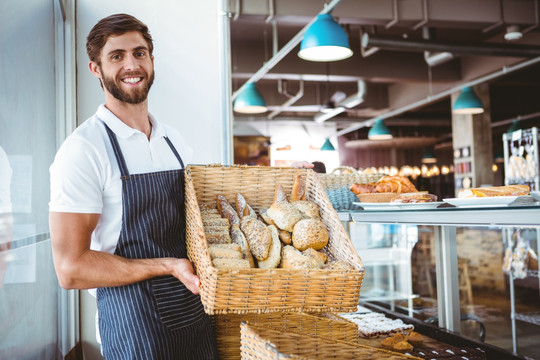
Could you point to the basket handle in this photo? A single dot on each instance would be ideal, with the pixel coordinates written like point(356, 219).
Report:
point(341, 168)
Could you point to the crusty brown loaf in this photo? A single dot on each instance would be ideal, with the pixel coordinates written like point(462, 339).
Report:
point(299, 188)
point(309, 233)
point(284, 215)
point(237, 237)
point(285, 237)
point(279, 194)
point(257, 235)
point(294, 259)
point(308, 209)
point(274, 255)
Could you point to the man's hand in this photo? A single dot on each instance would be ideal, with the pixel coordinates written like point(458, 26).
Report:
point(302, 164)
point(184, 272)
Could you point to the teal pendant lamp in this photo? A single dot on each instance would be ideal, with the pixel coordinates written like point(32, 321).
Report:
point(468, 102)
point(250, 101)
point(514, 127)
point(429, 157)
point(327, 146)
point(379, 131)
point(325, 40)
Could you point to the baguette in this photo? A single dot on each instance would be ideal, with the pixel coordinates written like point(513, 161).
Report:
point(224, 251)
point(230, 263)
point(299, 188)
point(238, 238)
point(274, 255)
point(257, 235)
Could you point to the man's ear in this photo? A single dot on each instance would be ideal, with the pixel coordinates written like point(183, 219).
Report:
point(94, 69)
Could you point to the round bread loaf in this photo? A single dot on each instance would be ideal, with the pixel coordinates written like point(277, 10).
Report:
point(284, 215)
point(319, 257)
point(309, 233)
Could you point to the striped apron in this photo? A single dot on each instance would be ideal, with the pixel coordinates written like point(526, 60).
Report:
point(158, 318)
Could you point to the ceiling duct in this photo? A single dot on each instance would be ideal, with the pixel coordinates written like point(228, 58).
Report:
point(347, 103)
point(486, 49)
point(292, 98)
point(434, 58)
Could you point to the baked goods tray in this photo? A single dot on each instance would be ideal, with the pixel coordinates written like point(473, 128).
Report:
point(227, 291)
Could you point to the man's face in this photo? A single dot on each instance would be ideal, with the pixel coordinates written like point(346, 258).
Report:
point(127, 68)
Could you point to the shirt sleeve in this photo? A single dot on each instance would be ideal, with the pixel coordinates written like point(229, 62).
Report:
point(76, 178)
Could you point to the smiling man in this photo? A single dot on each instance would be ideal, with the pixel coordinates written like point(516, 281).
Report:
point(117, 210)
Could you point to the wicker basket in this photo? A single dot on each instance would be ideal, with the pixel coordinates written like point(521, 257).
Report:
point(228, 328)
point(338, 182)
point(262, 342)
point(260, 290)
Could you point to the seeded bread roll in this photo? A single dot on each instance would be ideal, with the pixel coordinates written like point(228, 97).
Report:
point(257, 235)
point(224, 251)
point(238, 238)
point(309, 233)
point(294, 259)
point(274, 255)
point(319, 257)
point(308, 209)
point(230, 263)
point(284, 215)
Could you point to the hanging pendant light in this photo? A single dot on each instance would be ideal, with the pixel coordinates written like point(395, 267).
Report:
point(325, 40)
point(514, 127)
point(250, 101)
point(468, 102)
point(429, 157)
point(379, 131)
point(327, 146)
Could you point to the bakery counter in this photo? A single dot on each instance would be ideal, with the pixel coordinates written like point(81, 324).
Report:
point(445, 220)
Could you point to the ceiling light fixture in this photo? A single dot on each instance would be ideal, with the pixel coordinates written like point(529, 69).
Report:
point(468, 102)
point(514, 127)
point(513, 33)
point(429, 157)
point(379, 131)
point(325, 40)
point(327, 146)
point(250, 101)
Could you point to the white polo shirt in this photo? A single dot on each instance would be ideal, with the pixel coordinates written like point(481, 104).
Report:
point(85, 177)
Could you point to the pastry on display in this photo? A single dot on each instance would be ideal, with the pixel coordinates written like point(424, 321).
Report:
point(413, 198)
point(489, 191)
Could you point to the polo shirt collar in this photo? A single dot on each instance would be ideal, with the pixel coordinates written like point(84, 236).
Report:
point(122, 130)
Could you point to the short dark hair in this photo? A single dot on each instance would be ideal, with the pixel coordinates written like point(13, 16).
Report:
point(319, 167)
point(117, 24)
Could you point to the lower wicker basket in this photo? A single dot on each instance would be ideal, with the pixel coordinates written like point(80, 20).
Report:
point(225, 291)
point(227, 328)
point(262, 342)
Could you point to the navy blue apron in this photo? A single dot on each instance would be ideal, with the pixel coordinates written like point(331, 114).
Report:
point(157, 318)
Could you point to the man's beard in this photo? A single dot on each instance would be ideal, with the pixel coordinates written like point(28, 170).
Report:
point(135, 96)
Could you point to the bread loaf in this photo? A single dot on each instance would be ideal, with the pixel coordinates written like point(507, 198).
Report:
point(225, 251)
point(274, 255)
point(308, 209)
point(279, 194)
point(294, 259)
point(508, 190)
point(227, 211)
point(299, 188)
point(318, 256)
point(230, 263)
point(257, 235)
point(220, 236)
point(284, 215)
point(264, 215)
point(285, 237)
point(309, 233)
point(237, 237)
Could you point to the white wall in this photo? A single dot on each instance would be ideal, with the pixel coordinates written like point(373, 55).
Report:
point(186, 91)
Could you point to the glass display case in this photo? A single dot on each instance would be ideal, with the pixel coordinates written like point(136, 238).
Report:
point(459, 253)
